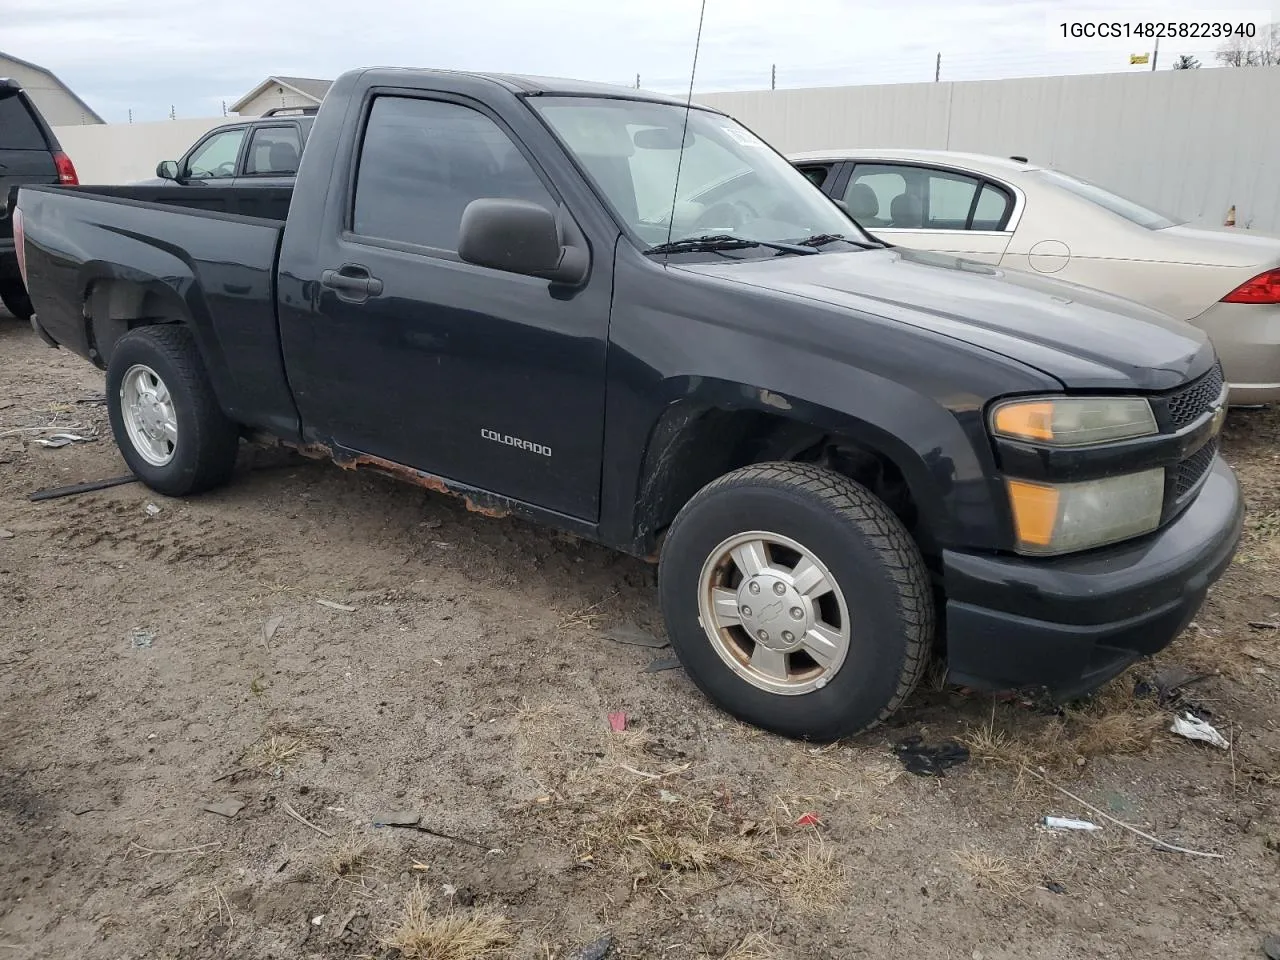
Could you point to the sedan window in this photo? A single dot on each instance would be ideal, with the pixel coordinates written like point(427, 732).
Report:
point(1133, 212)
point(911, 197)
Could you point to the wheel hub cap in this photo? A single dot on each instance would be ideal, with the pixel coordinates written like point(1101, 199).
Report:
point(773, 611)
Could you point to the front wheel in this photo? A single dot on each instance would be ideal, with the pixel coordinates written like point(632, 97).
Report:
point(164, 415)
point(796, 600)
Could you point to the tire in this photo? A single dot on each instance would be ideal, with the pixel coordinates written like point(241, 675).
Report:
point(201, 453)
point(14, 297)
point(882, 599)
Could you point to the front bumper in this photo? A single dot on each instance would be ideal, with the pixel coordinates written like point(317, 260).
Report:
point(1069, 624)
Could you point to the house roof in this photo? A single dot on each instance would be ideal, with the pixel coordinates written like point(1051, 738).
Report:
point(304, 86)
point(89, 111)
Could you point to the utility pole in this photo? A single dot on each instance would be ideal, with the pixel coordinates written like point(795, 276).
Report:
point(173, 112)
point(637, 81)
point(131, 114)
point(773, 78)
point(937, 68)
point(224, 108)
point(1155, 56)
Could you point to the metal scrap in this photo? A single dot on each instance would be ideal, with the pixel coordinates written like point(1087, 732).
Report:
point(925, 760)
point(53, 493)
point(629, 633)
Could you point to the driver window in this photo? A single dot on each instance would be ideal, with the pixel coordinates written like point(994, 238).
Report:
point(215, 159)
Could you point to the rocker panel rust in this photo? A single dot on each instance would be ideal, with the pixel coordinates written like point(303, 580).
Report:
point(489, 505)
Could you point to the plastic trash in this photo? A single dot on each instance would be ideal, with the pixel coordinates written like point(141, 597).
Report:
point(1067, 823)
point(1193, 728)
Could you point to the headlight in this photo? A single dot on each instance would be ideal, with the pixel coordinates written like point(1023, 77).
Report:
point(1074, 421)
point(1063, 517)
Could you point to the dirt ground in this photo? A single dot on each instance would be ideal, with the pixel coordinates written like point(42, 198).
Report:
point(470, 683)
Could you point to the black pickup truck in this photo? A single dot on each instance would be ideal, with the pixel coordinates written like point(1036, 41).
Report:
point(842, 454)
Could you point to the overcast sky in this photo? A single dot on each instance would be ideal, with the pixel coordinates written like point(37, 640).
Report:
point(146, 55)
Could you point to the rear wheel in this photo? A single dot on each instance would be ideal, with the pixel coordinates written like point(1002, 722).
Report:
point(796, 600)
point(165, 417)
point(14, 297)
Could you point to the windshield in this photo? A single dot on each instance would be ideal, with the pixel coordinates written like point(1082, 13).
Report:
point(731, 182)
point(1133, 212)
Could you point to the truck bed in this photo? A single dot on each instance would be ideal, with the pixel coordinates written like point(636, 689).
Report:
point(208, 253)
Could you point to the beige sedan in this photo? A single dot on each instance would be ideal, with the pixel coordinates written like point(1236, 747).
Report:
point(1224, 280)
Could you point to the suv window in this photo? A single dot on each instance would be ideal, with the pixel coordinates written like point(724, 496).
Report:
point(18, 128)
point(924, 198)
point(215, 158)
point(423, 161)
point(273, 151)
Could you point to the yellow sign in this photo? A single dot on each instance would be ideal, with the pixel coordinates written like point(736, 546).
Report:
point(1139, 58)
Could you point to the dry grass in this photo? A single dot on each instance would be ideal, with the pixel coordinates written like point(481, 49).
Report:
point(351, 858)
point(452, 935)
point(273, 752)
point(991, 872)
point(1113, 722)
point(754, 946)
point(585, 618)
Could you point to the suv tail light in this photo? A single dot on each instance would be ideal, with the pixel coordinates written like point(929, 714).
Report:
point(19, 244)
point(1264, 288)
point(66, 169)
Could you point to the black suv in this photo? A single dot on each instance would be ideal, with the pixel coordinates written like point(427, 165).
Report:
point(261, 152)
point(29, 153)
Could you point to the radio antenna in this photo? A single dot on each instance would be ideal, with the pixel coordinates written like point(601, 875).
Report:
point(684, 132)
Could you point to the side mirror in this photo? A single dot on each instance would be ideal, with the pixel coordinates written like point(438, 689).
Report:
point(167, 169)
point(519, 237)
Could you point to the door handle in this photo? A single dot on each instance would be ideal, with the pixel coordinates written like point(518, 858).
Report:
point(353, 281)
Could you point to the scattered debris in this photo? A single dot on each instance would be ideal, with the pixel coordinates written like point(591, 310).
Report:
point(93, 400)
point(141, 639)
point(618, 721)
point(1166, 683)
point(432, 524)
point(594, 951)
point(666, 796)
point(1193, 728)
point(1271, 947)
point(269, 630)
point(1120, 823)
point(400, 818)
point(152, 510)
point(808, 820)
point(284, 805)
point(6, 534)
point(316, 921)
point(1066, 823)
point(1053, 886)
point(62, 440)
point(224, 808)
point(631, 634)
point(334, 605)
point(1264, 625)
point(663, 752)
point(663, 663)
point(930, 760)
point(54, 493)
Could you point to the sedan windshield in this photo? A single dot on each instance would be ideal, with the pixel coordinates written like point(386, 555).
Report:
point(732, 186)
point(1133, 212)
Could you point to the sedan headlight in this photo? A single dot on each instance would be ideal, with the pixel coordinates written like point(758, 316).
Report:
point(1074, 421)
point(1064, 517)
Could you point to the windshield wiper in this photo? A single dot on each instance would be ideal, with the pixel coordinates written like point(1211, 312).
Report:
point(723, 241)
point(822, 239)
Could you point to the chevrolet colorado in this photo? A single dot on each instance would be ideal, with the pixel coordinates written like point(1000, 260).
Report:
point(841, 454)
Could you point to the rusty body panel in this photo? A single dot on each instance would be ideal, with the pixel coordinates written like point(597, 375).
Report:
point(487, 504)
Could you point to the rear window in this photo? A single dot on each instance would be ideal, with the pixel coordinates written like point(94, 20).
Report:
point(1131, 211)
point(18, 129)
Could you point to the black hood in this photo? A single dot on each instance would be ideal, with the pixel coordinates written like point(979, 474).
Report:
point(1086, 339)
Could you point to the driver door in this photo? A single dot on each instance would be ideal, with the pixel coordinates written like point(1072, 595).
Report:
point(215, 159)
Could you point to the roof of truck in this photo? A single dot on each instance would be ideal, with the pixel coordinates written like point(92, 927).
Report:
point(558, 86)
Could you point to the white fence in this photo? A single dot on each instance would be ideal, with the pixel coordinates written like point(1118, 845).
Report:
point(124, 152)
point(1186, 142)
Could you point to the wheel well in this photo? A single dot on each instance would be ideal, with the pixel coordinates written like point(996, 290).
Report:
point(715, 442)
point(114, 307)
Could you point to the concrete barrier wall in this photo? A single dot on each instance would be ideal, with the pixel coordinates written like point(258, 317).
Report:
point(125, 152)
